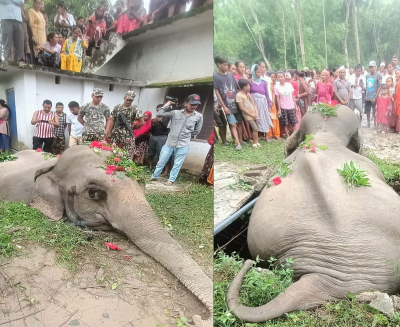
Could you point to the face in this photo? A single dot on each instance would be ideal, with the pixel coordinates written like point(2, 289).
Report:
point(105, 6)
point(127, 102)
point(258, 72)
point(80, 22)
point(397, 75)
point(60, 109)
point(37, 5)
point(97, 99)
point(315, 74)
point(385, 91)
point(60, 39)
point(263, 68)
point(351, 70)
point(190, 107)
point(382, 69)
point(54, 39)
point(287, 78)
point(372, 69)
point(324, 76)
point(46, 107)
point(389, 82)
point(75, 34)
point(146, 117)
point(241, 68)
point(342, 74)
point(395, 61)
point(273, 78)
point(281, 78)
point(74, 110)
point(336, 73)
point(118, 6)
point(223, 67)
point(233, 69)
point(100, 12)
point(390, 69)
point(247, 88)
point(358, 72)
point(248, 71)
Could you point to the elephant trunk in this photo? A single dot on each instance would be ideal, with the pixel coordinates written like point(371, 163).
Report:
point(144, 229)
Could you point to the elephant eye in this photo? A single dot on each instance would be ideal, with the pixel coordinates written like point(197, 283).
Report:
point(96, 193)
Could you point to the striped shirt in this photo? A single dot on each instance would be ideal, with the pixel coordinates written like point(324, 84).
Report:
point(59, 131)
point(44, 129)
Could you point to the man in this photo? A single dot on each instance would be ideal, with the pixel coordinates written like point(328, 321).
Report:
point(374, 81)
point(45, 121)
point(59, 132)
point(185, 123)
point(120, 127)
point(382, 69)
point(75, 128)
point(350, 74)
point(95, 127)
point(395, 61)
point(12, 30)
point(341, 88)
point(226, 88)
point(357, 84)
point(389, 73)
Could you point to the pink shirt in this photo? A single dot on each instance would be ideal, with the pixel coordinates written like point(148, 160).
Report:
point(324, 92)
point(285, 94)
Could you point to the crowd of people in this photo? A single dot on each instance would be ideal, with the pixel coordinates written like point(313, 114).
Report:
point(259, 105)
point(167, 136)
point(26, 37)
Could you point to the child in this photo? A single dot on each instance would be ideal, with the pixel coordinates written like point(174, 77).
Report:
point(59, 132)
point(75, 128)
point(389, 82)
point(80, 23)
point(383, 108)
point(248, 108)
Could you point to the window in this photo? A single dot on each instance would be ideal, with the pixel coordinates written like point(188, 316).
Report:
point(111, 87)
point(58, 80)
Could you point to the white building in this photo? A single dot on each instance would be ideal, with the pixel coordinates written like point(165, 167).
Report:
point(171, 58)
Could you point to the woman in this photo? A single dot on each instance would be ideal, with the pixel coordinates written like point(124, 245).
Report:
point(260, 94)
point(107, 17)
point(207, 174)
point(335, 74)
point(289, 77)
point(248, 72)
point(395, 118)
point(274, 131)
point(96, 27)
point(142, 135)
point(241, 70)
point(25, 21)
point(72, 51)
point(49, 54)
point(119, 11)
point(304, 94)
point(133, 18)
point(324, 88)
point(232, 68)
point(285, 103)
point(63, 21)
point(37, 25)
point(4, 126)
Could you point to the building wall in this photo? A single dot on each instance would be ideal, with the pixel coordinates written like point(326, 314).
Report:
point(150, 98)
point(184, 55)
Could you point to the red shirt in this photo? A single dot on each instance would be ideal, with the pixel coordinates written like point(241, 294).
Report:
point(296, 88)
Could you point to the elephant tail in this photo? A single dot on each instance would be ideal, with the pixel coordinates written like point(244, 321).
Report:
point(304, 294)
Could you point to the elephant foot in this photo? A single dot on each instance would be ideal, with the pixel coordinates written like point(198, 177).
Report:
point(199, 322)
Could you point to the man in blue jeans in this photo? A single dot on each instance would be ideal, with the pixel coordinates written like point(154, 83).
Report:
point(185, 123)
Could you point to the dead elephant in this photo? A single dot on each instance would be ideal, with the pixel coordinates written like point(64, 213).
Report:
point(341, 242)
point(75, 186)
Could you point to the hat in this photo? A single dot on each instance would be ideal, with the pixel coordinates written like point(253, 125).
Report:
point(382, 64)
point(130, 95)
point(372, 64)
point(193, 99)
point(306, 69)
point(98, 92)
point(287, 75)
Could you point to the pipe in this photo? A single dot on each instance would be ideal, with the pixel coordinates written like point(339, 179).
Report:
point(235, 216)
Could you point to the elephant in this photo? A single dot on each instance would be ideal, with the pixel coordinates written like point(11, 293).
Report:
point(340, 241)
point(77, 187)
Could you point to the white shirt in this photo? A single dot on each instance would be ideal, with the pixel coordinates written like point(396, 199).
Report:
point(70, 19)
point(76, 126)
point(357, 90)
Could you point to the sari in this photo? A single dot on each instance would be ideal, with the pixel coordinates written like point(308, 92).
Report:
point(132, 19)
point(142, 135)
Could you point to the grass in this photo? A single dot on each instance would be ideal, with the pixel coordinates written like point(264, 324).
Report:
point(354, 175)
point(259, 288)
point(389, 168)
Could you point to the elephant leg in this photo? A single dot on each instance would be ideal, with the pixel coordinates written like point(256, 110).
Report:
point(308, 292)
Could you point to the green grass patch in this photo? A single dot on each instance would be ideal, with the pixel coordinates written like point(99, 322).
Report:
point(259, 288)
point(389, 168)
point(67, 240)
point(353, 175)
point(270, 154)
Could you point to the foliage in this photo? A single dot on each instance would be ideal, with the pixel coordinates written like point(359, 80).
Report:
point(325, 110)
point(354, 175)
point(241, 185)
point(389, 168)
point(232, 38)
point(309, 144)
point(284, 169)
point(7, 156)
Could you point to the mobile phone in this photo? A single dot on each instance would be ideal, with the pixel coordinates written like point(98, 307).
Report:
point(44, 121)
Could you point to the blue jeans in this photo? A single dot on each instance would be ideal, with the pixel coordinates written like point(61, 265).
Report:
point(179, 158)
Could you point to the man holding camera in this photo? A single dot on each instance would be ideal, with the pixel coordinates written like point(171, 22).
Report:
point(121, 122)
point(185, 123)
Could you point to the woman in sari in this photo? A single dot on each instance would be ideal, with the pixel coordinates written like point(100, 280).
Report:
point(72, 51)
point(133, 18)
point(395, 117)
point(4, 126)
point(37, 26)
point(96, 27)
point(274, 131)
point(142, 135)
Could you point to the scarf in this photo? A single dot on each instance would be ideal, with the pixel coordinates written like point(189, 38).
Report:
point(253, 75)
point(145, 128)
point(78, 49)
point(397, 99)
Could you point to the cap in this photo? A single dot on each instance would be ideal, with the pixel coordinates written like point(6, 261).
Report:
point(98, 92)
point(306, 69)
point(130, 95)
point(372, 64)
point(382, 64)
point(287, 75)
point(193, 99)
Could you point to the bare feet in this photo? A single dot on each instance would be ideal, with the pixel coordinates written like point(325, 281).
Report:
point(153, 179)
point(169, 183)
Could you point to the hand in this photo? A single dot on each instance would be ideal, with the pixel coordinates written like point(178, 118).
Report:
point(51, 122)
point(168, 103)
point(373, 100)
point(227, 111)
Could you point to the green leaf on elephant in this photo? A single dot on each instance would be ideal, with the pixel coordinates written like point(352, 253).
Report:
point(323, 147)
point(120, 175)
point(95, 150)
point(46, 157)
point(114, 286)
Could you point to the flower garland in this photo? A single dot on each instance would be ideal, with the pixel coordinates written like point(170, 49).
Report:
point(326, 110)
point(309, 144)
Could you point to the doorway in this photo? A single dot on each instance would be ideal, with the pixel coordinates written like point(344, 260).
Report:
point(13, 119)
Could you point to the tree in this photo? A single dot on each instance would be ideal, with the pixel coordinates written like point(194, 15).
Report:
point(284, 34)
point(326, 49)
point(346, 32)
point(297, 12)
point(354, 11)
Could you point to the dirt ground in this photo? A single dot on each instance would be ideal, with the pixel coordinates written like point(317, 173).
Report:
point(36, 291)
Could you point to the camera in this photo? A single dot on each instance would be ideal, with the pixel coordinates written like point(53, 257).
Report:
point(172, 99)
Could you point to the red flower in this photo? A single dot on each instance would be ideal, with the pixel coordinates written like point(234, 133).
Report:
point(113, 180)
point(96, 144)
point(112, 167)
point(107, 148)
point(305, 147)
point(112, 246)
point(117, 159)
point(311, 142)
point(109, 172)
point(127, 258)
point(326, 118)
point(121, 169)
point(58, 155)
point(39, 150)
point(277, 180)
point(313, 148)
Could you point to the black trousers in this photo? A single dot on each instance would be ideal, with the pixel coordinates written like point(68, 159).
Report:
point(39, 141)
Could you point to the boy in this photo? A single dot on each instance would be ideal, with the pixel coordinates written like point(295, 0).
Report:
point(59, 132)
point(374, 81)
point(248, 108)
point(75, 128)
point(226, 88)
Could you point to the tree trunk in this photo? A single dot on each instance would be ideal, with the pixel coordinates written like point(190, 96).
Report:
point(326, 49)
point(354, 10)
point(297, 13)
point(284, 34)
point(346, 52)
point(295, 44)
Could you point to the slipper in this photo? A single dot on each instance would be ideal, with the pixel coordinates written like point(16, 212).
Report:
point(153, 179)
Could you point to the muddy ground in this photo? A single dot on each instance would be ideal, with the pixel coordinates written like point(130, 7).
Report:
point(37, 291)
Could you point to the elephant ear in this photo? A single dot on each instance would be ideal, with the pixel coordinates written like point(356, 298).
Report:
point(293, 142)
point(46, 195)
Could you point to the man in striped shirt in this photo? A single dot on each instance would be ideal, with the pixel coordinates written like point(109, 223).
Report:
point(45, 121)
point(59, 132)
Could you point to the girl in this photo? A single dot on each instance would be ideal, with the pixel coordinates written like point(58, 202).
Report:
point(72, 51)
point(383, 109)
point(248, 72)
point(232, 69)
point(389, 82)
point(260, 94)
point(241, 70)
point(285, 103)
point(274, 131)
point(63, 20)
point(96, 27)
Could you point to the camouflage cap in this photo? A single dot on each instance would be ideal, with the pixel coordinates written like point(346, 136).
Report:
point(98, 92)
point(130, 95)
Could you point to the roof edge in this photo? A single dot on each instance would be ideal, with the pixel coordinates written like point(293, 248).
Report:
point(183, 83)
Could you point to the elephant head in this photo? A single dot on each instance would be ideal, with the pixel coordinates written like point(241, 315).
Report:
point(79, 187)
